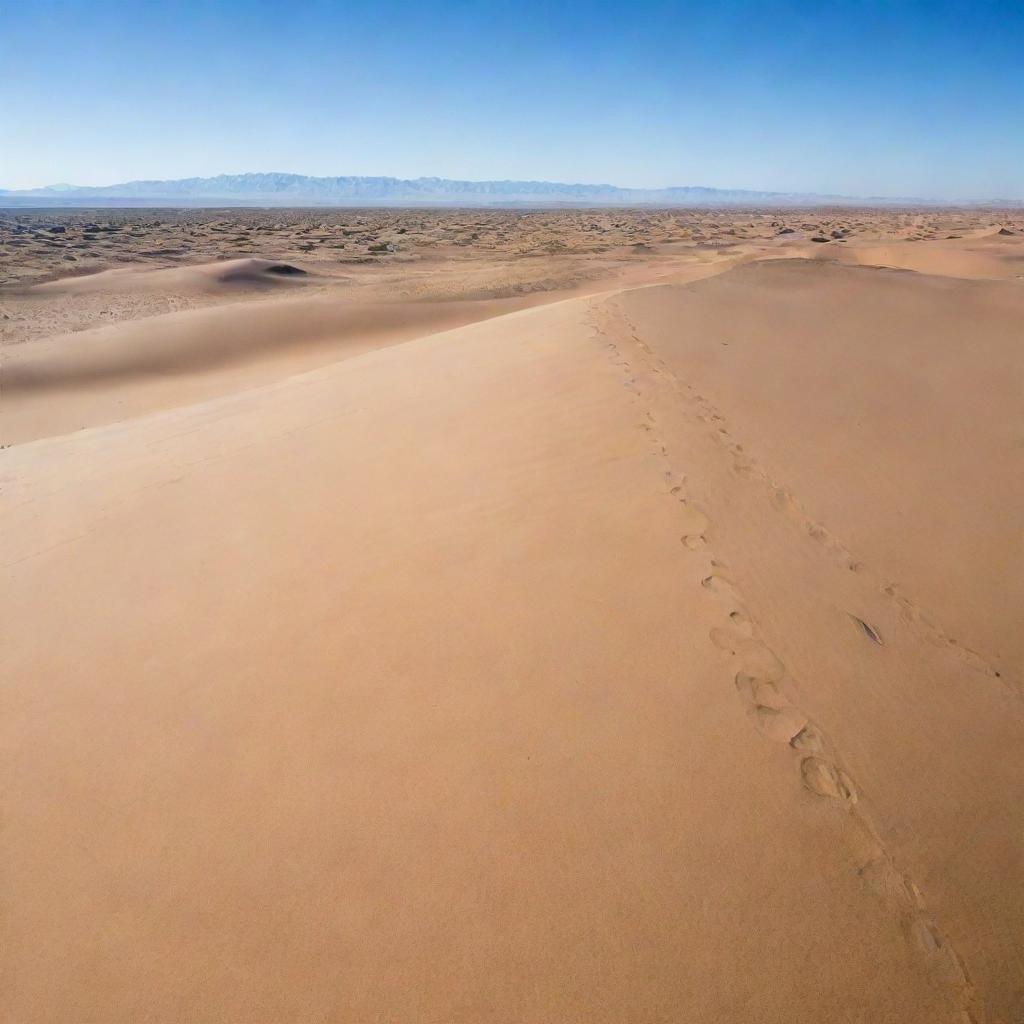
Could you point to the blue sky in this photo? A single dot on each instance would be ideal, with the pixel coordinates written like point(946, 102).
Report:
point(859, 97)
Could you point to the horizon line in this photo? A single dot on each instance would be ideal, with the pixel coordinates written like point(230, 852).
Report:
point(56, 189)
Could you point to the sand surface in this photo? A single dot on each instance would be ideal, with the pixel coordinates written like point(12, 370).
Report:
point(622, 629)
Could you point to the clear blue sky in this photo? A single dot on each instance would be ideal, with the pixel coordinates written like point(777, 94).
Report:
point(869, 97)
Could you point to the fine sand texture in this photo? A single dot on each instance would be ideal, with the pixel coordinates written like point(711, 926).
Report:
point(516, 635)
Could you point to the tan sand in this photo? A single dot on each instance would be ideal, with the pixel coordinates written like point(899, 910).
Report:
point(58, 384)
point(646, 655)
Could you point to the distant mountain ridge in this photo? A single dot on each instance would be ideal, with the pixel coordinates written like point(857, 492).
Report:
point(279, 189)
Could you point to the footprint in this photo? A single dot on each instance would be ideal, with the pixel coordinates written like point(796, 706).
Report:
point(882, 878)
point(742, 623)
point(694, 525)
point(760, 663)
point(734, 639)
point(784, 500)
point(760, 693)
point(720, 586)
point(941, 958)
point(825, 779)
point(869, 631)
point(780, 724)
point(807, 739)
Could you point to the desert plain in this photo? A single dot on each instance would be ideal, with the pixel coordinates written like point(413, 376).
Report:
point(512, 616)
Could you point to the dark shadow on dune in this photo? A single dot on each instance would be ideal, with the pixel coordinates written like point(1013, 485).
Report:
point(251, 271)
point(254, 272)
point(206, 339)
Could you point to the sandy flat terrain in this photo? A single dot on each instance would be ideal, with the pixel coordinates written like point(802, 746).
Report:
point(555, 616)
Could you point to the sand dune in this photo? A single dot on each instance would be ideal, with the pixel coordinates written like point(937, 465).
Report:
point(898, 392)
point(646, 654)
point(129, 368)
point(145, 361)
point(946, 258)
point(857, 447)
point(210, 277)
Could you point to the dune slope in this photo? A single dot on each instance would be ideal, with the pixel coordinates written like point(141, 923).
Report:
point(88, 378)
point(480, 678)
point(890, 404)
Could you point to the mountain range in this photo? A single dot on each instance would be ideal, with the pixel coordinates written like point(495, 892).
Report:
point(278, 189)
